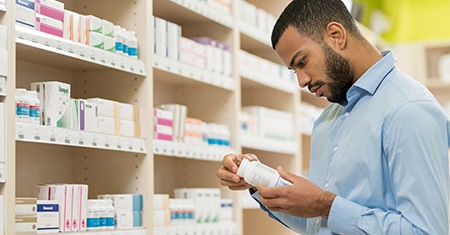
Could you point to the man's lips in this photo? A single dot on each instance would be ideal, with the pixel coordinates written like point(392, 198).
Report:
point(316, 90)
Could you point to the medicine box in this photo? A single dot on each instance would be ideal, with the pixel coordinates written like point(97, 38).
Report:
point(47, 216)
point(50, 8)
point(125, 202)
point(63, 194)
point(128, 112)
point(25, 206)
point(55, 102)
point(105, 107)
point(49, 25)
point(3, 36)
point(25, 14)
point(26, 224)
point(2, 134)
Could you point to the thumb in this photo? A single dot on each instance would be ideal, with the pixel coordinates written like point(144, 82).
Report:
point(286, 174)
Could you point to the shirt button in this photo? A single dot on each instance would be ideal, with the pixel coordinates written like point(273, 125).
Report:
point(346, 114)
point(326, 185)
point(318, 221)
point(335, 149)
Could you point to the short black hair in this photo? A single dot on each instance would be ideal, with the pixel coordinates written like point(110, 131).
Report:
point(311, 17)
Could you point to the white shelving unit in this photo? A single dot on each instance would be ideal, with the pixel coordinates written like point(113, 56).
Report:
point(116, 164)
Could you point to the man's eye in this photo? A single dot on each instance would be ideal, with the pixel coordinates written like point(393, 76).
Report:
point(301, 63)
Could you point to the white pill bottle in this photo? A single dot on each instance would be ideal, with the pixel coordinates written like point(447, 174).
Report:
point(256, 173)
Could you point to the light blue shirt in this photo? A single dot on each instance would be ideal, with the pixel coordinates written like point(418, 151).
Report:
point(385, 155)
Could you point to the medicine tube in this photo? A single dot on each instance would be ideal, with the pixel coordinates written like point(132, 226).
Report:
point(255, 173)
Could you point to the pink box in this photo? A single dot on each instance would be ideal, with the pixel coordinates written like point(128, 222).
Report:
point(48, 25)
point(50, 8)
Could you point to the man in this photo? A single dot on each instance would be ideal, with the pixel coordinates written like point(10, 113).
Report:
point(379, 152)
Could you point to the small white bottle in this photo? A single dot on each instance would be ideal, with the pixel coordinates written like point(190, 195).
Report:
point(93, 215)
point(118, 35)
point(102, 214)
point(132, 45)
point(110, 214)
point(35, 107)
point(256, 173)
point(22, 106)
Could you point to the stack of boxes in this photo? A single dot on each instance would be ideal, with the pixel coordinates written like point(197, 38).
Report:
point(72, 201)
point(26, 215)
point(179, 113)
point(163, 124)
point(161, 210)
point(128, 209)
point(3, 59)
point(116, 118)
point(33, 215)
point(43, 15)
point(58, 109)
point(202, 52)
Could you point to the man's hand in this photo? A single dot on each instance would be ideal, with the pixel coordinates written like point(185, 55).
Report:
point(227, 171)
point(302, 198)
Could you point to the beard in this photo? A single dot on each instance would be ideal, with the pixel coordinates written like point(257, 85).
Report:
point(340, 77)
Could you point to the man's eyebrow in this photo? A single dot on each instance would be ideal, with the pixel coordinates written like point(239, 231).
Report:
point(291, 65)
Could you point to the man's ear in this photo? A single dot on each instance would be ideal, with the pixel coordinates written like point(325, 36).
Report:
point(336, 36)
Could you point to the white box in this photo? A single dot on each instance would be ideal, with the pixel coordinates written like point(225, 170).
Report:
point(129, 128)
point(2, 134)
point(109, 45)
point(128, 219)
point(108, 28)
point(3, 36)
point(25, 14)
point(105, 107)
point(128, 112)
point(47, 216)
point(90, 116)
point(2, 215)
point(161, 218)
point(160, 36)
point(50, 8)
point(25, 206)
point(161, 202)
point(74, 114)
point(173, 41)
point(26, 224)
point(49, 25)
point(96, 40)
point(125, 202)
point(108, 125)
point(3, 63)
point(83, 197)
point(63, 194)
point(2, 172)
point(55, 102)
point(2, 86)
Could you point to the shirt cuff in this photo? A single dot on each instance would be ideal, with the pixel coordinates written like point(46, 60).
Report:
point(344, 216)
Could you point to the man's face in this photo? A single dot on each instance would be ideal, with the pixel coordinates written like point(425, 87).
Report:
point(318, 66)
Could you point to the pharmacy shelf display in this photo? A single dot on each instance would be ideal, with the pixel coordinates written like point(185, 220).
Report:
point(48, 155)
point(249, 80)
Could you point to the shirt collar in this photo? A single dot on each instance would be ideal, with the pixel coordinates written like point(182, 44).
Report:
point(369, 82)
point(373, 77)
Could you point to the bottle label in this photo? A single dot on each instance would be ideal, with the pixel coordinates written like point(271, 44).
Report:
point(34, 111)
point(22, 109)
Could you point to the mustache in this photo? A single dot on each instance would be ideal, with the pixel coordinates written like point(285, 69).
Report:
point(316, 84)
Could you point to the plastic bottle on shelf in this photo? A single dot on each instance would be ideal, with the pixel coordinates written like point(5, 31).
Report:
point(22, 106)
point(93, 215)
point(124, 41)
point(118, 35)
point(102, 214)
point(132, 44)
point(255, 173)
point(110, 214)
point(35, 107)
